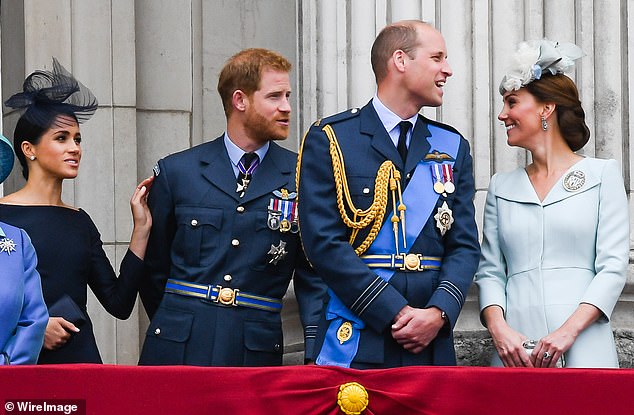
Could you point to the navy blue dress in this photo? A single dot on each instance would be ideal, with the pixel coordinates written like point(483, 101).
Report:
point(71, 258)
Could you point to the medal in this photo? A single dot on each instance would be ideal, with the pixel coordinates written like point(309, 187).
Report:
point(439, 187)
point(277, 252)
point(7, 245)
point(444, 218)
point(294, 226)
point(285, 225)
point(344, 332)
point(448, 177)
point(242, 187)
point(574, 180)
point(273, 221)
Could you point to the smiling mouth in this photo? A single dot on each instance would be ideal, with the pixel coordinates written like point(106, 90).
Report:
point(72, 162)
point(440, 84)
point(510, 127)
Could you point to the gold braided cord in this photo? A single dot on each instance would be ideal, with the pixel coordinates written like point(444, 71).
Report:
point(361, 218)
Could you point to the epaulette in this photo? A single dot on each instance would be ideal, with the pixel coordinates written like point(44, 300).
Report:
point(353, 112)
point(441, 125)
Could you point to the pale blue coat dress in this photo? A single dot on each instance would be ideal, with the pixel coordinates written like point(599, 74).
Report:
point(540, 260)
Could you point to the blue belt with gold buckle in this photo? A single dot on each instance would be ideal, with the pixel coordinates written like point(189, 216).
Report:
point(402, 262)
point(223, 295)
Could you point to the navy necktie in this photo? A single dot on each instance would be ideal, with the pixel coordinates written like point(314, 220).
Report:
point(402, 139)
point(246, 166)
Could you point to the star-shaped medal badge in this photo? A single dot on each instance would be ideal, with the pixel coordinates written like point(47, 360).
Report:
point(444, 218)
point(7, 245)
point(278, 252)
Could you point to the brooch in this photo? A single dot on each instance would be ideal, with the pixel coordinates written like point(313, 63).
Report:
point(7, 245)
point(574, 180)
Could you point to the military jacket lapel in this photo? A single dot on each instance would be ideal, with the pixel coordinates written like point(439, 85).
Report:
point(381, 142)
point(216, 168)
point(418, 145)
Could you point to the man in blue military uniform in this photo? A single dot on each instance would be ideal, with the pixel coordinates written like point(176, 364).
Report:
point(224, 242)
point(386, 213)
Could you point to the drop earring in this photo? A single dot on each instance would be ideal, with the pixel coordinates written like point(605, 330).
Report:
point(544, 124)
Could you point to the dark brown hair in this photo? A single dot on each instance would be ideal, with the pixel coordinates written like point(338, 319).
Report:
point(243, 71)
point(570, 115)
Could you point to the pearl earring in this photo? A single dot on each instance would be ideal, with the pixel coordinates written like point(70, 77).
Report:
point(31, 157)
point(544, 124)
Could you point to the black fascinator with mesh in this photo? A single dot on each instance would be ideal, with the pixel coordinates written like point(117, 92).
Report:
point(46, 94)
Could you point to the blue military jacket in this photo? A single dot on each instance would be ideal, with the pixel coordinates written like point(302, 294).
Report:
point(204, 233)
point(365, 145)
point(24, 314)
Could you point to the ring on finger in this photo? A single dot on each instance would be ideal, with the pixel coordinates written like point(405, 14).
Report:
point(547, 355)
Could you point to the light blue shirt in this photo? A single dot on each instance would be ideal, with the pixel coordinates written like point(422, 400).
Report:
point(236, 153)
point(390, 121)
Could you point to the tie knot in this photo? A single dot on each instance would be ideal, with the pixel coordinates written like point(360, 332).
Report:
point(404, 127)
point(248, 159)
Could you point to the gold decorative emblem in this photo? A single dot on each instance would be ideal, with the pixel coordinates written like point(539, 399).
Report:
point(226, 296)
point(412, 262)
point(352, 398)
point(344, 332)
point(285, 225)
point(444, 218)
point(574, 180)
point(439, 187)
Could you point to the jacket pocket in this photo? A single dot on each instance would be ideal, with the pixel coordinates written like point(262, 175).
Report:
point(263, 343)
point(197, 234)
point(166, 338)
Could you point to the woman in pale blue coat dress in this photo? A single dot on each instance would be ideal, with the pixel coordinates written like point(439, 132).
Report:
point(556, 233)
point(23, 314)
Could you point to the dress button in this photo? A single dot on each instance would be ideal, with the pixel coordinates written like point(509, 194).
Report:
point(366, 190)
point(157, 331)
point(409, 175)
point(227, 278)
point(276, 347)
point(194, 222)
point(240, 209)
point(235, 242)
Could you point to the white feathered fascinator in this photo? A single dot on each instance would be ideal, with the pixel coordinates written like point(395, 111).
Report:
point(534, 58)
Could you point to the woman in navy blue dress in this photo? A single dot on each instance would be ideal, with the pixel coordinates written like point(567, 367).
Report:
point(47, 143)
point(22, 307)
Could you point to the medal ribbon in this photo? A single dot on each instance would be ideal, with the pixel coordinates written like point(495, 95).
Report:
point(420, 193)
point(447, 172)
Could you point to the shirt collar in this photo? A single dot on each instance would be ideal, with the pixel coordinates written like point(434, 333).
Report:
point(387, 117)
point(236, 153)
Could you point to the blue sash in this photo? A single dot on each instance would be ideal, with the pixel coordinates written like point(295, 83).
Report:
point(420, 199)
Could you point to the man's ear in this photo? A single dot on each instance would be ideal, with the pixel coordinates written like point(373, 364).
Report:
point(398, 59)
point(239, 100)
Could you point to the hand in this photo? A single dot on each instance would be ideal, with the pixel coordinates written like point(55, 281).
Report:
point(138, 203)
point(555, 344)
point(508, 344)
point(58, 332)
point(415, 328)
point(142, 218)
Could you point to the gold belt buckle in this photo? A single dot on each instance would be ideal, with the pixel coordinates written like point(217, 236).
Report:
point(227, 296)
point(411, 262)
